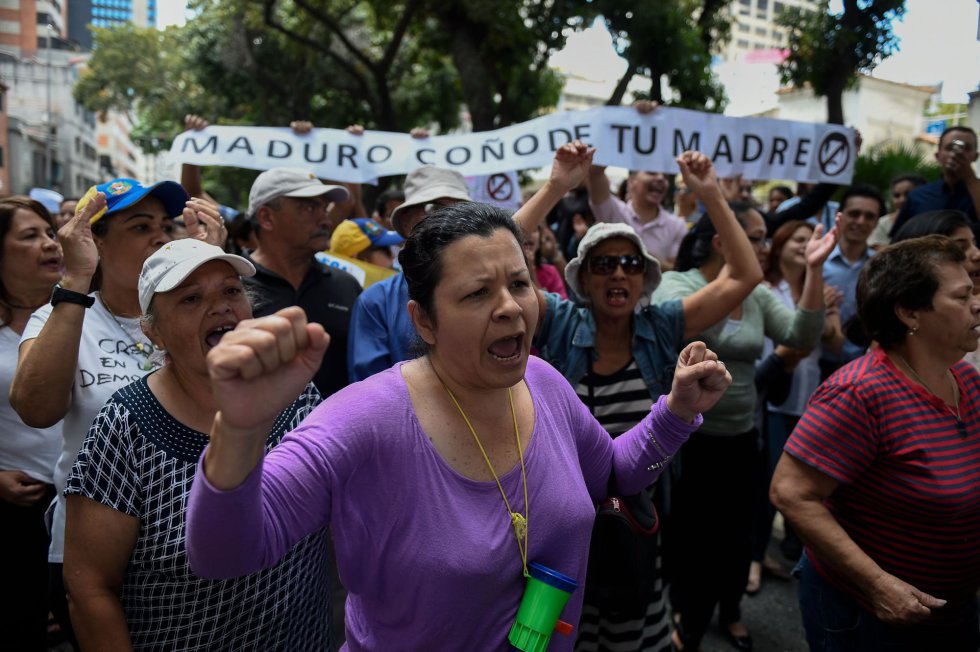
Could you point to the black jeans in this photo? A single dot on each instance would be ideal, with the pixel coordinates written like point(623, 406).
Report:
point(713, 506)
point(23, 597)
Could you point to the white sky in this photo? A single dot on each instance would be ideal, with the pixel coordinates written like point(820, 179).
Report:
point(938, 44)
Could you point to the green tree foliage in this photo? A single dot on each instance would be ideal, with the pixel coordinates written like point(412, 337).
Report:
point(880, 164)
point(827, 51)
point(669, 41)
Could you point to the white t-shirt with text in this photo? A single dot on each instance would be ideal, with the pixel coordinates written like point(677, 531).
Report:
point(108, 359)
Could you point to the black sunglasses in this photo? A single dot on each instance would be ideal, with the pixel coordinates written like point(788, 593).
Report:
point(606, 265)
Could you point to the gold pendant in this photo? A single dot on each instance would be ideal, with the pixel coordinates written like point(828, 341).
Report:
point(520, 526)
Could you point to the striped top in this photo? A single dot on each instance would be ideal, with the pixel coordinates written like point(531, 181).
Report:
point(618, 401)
point(910, 476)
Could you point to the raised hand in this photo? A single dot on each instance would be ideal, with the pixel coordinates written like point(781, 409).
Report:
point(81, 255)
point(204, 222)
point(195, 122)
point(571, 164)
point(698, 172)
point(959, 165)
point(832, 298)
point(820, 246)
point(301, 127)
point(259, 369)
point(646, 106)
point(899, 603)
point(355, 130)
point(700, 379)
point(18, 488)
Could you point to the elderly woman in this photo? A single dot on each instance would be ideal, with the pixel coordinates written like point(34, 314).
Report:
point(444, 477)
point(129, 583)
point(30, 265)
point(881, 478)
point(81, 347)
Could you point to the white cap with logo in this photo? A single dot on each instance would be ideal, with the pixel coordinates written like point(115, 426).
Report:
point(175, 261)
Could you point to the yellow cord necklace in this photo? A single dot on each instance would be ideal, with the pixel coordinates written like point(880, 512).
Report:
point(518, 521)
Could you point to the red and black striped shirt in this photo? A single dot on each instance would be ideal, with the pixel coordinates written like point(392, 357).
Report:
point(909, 473)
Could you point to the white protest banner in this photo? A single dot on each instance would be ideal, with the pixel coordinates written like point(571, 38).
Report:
point(502, 189)
point(757, 148)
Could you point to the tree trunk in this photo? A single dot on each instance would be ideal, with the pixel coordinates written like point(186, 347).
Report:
point(706, 21)
point(835, 100)
point(617, 97)
point(473, 74)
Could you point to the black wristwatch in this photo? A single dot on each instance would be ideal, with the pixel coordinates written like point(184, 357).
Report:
point(61, 295)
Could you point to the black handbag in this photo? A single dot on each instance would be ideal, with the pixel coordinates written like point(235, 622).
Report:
point(623, 556)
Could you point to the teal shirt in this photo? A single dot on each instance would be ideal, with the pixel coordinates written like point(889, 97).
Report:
point(739, 344)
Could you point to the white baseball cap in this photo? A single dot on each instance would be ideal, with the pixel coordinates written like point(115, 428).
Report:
point(175, 261)
point(427, 184)
point(290, 182)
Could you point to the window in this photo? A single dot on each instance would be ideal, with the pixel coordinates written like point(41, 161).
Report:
point(742, 43)
point(761, 31)
point(743, 28)
point(777, 35)
point(777, 8)
point(762, 5)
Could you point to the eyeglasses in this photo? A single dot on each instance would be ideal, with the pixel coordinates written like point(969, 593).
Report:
point(311, 206)
point(606, 265)
point(760, 242)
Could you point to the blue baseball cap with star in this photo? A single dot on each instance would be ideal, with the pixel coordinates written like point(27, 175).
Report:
point(122, 193)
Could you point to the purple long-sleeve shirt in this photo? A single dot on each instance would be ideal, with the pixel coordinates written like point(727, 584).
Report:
point(428, 556)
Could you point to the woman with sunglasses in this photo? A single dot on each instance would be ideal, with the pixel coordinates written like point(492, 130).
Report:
point(713, 499)
point(619, 359)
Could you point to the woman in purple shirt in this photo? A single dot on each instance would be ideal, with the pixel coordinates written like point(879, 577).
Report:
point(443, 477)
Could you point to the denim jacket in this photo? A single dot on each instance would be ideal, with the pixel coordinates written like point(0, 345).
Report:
point(567, 338)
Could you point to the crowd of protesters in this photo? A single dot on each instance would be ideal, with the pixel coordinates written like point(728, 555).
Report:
point(215, 441)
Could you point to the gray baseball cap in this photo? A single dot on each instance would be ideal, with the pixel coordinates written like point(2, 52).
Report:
point(427, 184)
point(290, 182)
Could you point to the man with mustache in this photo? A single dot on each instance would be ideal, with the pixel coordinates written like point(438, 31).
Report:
point(288, 208)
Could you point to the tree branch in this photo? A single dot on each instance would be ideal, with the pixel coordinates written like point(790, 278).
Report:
point(316, 45)
point(399, 33)
point(334, 27)
point(620, 91)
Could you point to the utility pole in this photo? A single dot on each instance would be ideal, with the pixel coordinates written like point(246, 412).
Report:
point(49, 136)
